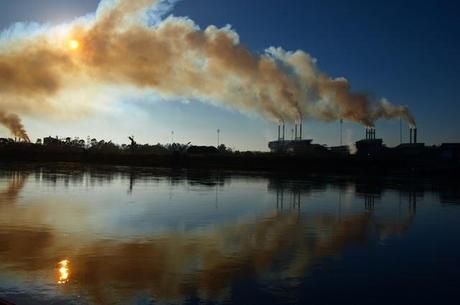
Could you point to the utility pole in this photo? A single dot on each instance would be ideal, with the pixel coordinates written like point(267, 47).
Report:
point(400, 131)
point(218, 137)
point(341, 132)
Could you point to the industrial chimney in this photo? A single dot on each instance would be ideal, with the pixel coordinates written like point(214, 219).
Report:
point(300, 131)
point(413, 135)
point(341, 133)
point(370, 133)
point(295, 138)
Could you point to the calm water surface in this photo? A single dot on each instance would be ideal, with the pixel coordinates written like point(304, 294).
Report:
point(124, 236)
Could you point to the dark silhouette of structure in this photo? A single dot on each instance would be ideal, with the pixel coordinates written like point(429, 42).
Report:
point(296, 155)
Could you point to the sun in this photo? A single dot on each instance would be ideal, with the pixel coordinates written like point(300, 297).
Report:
point(74, 44)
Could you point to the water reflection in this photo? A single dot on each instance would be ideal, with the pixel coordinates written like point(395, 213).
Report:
point(16, 181)
point(116, 256)
point(63, 270)
point(175, 265)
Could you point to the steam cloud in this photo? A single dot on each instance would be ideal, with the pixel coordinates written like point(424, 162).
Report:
point(127, 44)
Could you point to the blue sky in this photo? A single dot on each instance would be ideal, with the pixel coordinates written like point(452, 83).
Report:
point(406, 51)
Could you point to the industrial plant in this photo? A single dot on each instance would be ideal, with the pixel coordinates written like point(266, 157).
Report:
point(299, 146)
point(369, 154)
point(370, 146)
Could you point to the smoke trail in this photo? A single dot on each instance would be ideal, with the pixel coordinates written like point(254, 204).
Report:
point(13, 123)
point(125, 45)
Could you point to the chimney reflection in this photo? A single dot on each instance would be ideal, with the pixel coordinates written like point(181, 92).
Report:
point(293, 202)
point(412, 202)
point(169, 263)
point(369, 202)
point(288, 194)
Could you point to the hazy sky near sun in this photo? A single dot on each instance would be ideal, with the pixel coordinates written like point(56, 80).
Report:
point(406, 51)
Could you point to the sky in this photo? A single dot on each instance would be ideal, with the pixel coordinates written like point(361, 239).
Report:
point(405, 51)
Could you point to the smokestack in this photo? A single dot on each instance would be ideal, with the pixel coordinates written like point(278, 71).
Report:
point(296, 138)
point(283, 131)
point(300, 133)
point(367, 133)
point(410, 135)
point(279, 132)
point(341, 133)
point(415, 135)
point(400, 131)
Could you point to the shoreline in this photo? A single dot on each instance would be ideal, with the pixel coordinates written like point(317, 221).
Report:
point(248, 162)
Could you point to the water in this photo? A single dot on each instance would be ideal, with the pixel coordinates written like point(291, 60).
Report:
point(125, 236)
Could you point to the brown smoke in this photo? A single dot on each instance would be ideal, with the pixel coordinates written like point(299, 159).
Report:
point(175, 59)
point(13, 123)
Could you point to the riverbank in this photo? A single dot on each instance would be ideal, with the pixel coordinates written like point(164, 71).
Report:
point(245, 161)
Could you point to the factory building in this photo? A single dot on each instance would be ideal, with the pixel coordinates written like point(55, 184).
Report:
point(448, 153)
point(295, 146)
point(50, 141)
point(373, 146)
point(370, 145)
point(343, 150)
point(413, 148)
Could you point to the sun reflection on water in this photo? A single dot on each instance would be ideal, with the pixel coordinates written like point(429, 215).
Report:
point(64, 272)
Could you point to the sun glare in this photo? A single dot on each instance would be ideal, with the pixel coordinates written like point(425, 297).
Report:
point(74, 44)
point(63, 271)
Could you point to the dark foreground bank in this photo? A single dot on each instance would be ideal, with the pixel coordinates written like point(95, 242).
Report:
point(428, 164)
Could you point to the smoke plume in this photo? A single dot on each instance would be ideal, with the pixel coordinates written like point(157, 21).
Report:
point(13, 123)
point(127, 44)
